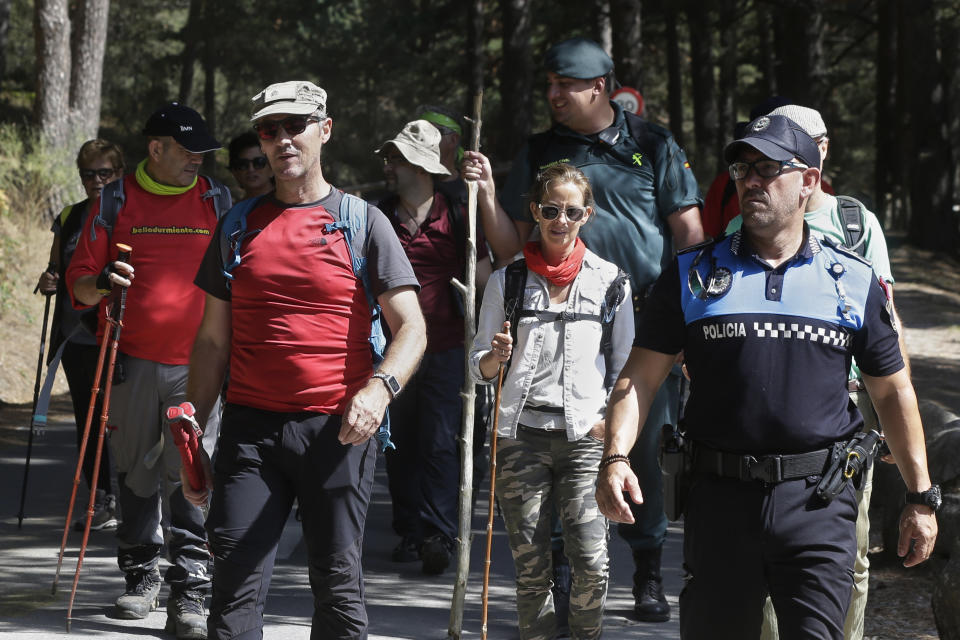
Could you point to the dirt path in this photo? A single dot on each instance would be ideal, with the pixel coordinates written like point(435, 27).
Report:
point(927, 300)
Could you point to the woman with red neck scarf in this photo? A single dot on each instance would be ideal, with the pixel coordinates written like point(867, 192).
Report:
point(553, 400)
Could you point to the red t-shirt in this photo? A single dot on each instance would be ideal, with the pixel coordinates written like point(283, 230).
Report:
point(169, 235)
point(300, 318)
point(435, 258)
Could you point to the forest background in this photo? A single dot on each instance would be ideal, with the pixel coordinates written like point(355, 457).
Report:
point(884, 74)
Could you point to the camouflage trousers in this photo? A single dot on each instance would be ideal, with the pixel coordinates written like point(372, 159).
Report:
point(538, 473)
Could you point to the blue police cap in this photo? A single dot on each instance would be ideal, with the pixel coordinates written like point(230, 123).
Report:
point(778, 138)
point(578, 58)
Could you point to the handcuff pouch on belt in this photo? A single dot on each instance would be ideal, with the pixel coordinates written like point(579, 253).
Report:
point(849, 461)
point(675, 464)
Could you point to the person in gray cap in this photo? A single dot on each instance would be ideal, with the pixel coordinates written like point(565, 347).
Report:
point(848, 222)
point(424, 470)
point(166, 212)
point(647, 203)
point(769, 319)
point(292, 314)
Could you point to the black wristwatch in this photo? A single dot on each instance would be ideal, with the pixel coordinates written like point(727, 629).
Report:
point(929, 498)
point(392, 385)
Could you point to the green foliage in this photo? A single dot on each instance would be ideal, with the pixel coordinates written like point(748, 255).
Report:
point(32, 179)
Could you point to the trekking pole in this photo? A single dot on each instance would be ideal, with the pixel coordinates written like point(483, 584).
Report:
point(51, 268)
point(91, 408)
point(115, 322)
point(493, 479)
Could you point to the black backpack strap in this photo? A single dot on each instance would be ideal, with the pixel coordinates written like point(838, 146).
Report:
point(852, 219)
point(514, 282)
point(457, 207)
point(615, 294)
point(222, 200)
point(112, 198)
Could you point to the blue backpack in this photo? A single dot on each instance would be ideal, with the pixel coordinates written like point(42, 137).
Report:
point(352, 221)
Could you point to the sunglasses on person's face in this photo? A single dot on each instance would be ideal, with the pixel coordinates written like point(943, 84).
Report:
point(765, 168)
point(550, 212)
point(293, 125)
point(242, 164)
point(89, 174)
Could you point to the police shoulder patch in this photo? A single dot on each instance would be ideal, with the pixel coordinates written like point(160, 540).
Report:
point(843, 250)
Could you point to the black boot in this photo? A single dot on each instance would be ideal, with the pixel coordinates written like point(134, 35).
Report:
point(649, 602)
point(561, 592)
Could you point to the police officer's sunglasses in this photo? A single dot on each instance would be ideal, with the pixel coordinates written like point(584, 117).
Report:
point(765, 168)
point(550, 212)
point(241, 164)
point(293, 125)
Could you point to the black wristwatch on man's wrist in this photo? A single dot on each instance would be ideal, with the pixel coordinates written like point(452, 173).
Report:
point(929, 498)
point(393, 386)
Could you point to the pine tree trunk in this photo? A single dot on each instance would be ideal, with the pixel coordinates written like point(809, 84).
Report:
point(89, 45)
point(602, 28)
point(516, 77)
point(674, 80)
point(727, 91)
point(191, 49)
point(4, 34)
point(475, 41)
point(699, 19)
point(52, 34)
point(626, 21)
point(932, 224)
point(887, 162)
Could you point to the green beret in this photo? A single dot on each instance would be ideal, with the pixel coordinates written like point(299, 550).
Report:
point(578, 58)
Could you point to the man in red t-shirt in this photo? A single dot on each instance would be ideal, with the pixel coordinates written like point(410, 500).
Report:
point(168, 216)
point(424, 470)
point(303, 399)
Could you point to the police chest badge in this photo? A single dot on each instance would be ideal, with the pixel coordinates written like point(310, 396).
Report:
point(719, 282)
point(718, 279)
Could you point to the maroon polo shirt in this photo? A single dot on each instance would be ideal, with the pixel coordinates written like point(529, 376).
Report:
point(436, 258)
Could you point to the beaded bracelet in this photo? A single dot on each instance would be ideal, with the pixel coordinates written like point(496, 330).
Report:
point(609, 460)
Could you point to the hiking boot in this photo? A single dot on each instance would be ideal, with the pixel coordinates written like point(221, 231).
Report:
point(407, 551)
point(104, 514)
point(561, 592)
point(650, 604)
point(436, 552)
point(140, 598)
point(185, 616)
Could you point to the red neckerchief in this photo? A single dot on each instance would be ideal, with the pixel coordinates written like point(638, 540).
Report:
point(562, 274)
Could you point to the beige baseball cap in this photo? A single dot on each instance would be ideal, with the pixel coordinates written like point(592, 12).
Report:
point(809, 119)
point(419, 144)
point(296, 97)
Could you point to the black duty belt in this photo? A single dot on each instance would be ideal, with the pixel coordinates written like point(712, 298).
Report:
point(771, 468)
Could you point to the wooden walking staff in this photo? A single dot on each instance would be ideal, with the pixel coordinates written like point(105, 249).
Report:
point(493, 485)
point(469, 291)
point(109, 342)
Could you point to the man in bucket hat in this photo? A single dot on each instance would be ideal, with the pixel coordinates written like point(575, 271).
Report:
point(167, 215)
point(424, 469)
point(769, 318)
point(292, 316)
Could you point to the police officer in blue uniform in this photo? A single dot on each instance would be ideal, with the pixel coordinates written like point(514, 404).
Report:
point(768, 319)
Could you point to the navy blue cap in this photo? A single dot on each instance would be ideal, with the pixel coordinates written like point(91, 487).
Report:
point(578, 58)
point(778, 138)
point(185, 125)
